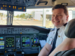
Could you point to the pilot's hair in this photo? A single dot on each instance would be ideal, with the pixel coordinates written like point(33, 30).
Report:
point(61, 6)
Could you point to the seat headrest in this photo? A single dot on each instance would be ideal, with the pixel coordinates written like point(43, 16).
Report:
point(70, 29)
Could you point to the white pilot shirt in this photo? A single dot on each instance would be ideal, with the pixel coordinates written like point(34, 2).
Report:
point(60, 38)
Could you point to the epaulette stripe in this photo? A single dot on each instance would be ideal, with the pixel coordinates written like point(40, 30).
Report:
point(53, 29)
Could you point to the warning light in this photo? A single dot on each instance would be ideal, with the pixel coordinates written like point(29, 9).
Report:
point(4, 5)
point(19, 8)
point(9, 6)
point(24, 7)
point(1, 8)
point(13, 7)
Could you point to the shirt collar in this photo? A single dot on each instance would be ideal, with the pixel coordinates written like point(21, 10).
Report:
point(61, 27)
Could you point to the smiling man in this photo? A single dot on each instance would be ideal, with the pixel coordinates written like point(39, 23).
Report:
point(56, 35)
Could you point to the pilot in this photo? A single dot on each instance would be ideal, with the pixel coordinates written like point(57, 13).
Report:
point(56, 35)
point(67, 47)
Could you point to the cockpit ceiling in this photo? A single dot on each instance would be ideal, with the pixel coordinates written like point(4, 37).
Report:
point(51, 3)
point(38, 3)
point(68, 2)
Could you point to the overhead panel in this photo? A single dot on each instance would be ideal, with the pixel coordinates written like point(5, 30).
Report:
point(12, 7)
point(34, 3)
point(13, 2)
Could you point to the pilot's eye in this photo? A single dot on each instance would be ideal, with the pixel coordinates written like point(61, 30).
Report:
point(59, 15)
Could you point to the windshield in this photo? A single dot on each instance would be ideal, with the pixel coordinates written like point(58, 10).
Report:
point(33, 17)
point(3, 17)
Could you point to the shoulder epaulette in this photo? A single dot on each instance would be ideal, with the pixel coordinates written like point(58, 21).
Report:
point(52, 29)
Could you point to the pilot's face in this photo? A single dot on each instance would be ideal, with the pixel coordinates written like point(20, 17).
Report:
point(59, 17)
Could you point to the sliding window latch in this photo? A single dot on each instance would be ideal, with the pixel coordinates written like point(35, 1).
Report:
point(42, 2)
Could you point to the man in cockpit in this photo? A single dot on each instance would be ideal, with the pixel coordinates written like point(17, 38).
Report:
point(67, 47)
point(56, 35)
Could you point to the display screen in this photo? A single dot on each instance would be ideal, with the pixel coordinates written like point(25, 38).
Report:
point(35, 40)
point(25, 41)
point(1, 44)
point(1, 38)
point(10, 42)
point(12, 7)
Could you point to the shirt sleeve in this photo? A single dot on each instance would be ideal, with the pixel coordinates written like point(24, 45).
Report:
point(64, 37)
point(49, 38)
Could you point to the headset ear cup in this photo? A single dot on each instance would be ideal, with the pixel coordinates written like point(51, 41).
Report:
point(70, 29)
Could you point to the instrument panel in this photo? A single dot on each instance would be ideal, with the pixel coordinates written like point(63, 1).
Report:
point(16, 30)
point(21, 40)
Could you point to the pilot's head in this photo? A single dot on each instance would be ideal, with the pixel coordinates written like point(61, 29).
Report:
point(60, 15)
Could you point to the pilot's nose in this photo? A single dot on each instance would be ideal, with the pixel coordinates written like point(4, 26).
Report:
point(55, 17)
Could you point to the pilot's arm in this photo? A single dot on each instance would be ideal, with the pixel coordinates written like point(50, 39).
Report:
point(47, 48)
point(45, 51)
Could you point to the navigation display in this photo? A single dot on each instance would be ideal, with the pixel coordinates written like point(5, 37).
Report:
point(10, 42)
point(36, 40)
point(1, 44)
point(25, 42)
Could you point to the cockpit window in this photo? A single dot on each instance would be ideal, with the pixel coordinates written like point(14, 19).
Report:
point(71, 13)
point(3, 17)
point(33, 17)
point(30, 17)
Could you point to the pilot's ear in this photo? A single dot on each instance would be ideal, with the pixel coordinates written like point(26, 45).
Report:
point(67, 18)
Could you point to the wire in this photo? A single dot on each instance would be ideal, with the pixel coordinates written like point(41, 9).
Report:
point(72, 1)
